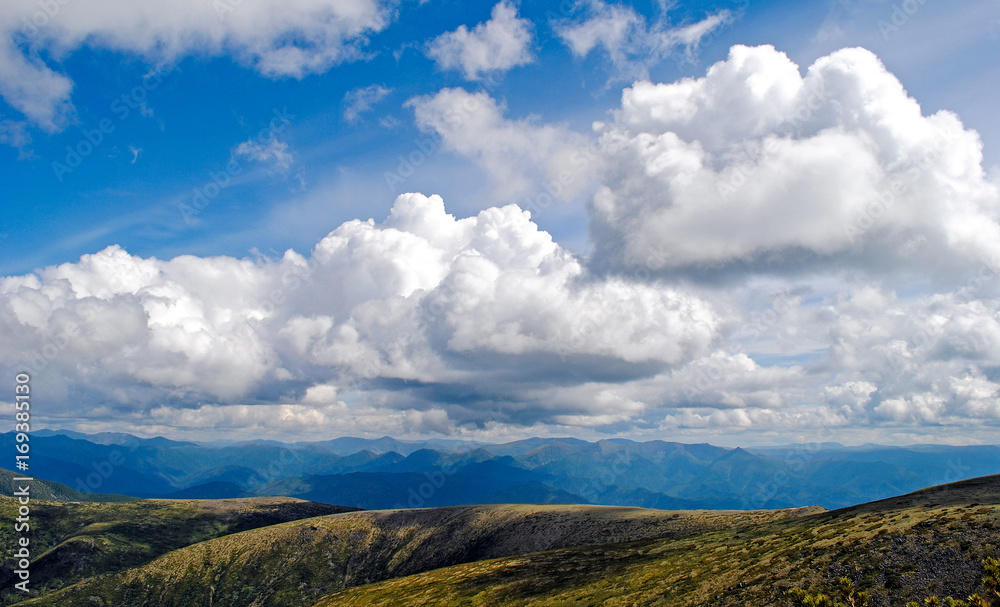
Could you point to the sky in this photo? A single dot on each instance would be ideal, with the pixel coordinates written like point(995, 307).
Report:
point(734, 222)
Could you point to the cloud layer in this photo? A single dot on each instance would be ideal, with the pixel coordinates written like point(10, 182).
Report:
point(421, 300)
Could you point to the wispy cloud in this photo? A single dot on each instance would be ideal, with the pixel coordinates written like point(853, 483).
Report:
point(632, 43)
point(15, 134)
point(363, 100)
point(270, 151)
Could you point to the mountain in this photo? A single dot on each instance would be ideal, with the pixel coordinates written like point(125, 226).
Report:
point(298, 562)
point(111, 438)
point(485, 482)
point(276, 552)
point(348, 445)
point(209, 490)
point(386, 472)
point(521, 447)
point(72, 541)
point(931, 542)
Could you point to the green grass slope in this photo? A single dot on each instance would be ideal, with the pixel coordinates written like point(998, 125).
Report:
point(297, 563)
point(71, 541)
point(900, 549)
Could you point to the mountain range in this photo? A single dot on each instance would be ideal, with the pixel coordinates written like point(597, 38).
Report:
point(391, 473)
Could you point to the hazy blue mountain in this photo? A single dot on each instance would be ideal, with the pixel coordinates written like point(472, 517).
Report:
point(211, 490)
point(110, 438)
point(520, 447)
point(347, 445)
point(386, 472)
point(498, 480)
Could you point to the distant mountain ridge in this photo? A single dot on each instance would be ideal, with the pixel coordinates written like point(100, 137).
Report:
point(390, 473)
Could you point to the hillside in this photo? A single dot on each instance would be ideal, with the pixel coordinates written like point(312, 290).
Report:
point(275, 552)
point(297, 563)
point(48, 490)
point(74, 540)
point(901, 549)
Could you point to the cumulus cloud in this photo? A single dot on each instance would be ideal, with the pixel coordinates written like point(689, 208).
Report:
point(632, 44)
point(497, 45)
point(757, 165)
point(888, 361)
point(362, 100)
point(520, 156)
point(895, 369)
point(274, 38)
point(481, 306)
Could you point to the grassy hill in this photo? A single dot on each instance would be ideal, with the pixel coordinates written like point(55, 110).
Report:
point(901, 549)
point(296, 563)
point(73, 541)
point(279, 552)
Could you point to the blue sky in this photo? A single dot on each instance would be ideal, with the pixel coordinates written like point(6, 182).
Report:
point(282, 155)
point(207, 105)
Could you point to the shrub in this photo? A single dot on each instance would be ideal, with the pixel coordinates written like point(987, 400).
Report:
point(851, 598)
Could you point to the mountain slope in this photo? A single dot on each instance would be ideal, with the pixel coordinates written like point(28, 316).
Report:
point(71, 541)
point(297, 563)
point(900, 549)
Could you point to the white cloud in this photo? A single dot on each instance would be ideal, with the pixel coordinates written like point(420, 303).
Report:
point(487, 305)
point(632, 44)
point(270, 151)
point(520, 156)
point(925, 359)
point(893, 368)
point(31, 87)
point(757, 165)
point(288, 38)
point(502, 43)
point(361, 100)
